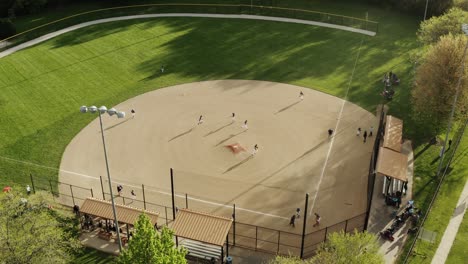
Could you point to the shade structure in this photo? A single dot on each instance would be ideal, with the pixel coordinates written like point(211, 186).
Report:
point(125, 214)
point(392, 164)
point(201, 226)
point(393, 133)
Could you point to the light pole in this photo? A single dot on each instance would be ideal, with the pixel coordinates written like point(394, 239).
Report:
point(457, 90)
point(111, 112)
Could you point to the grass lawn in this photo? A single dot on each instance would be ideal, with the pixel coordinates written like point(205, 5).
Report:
point(92, 256)
point(459, 252)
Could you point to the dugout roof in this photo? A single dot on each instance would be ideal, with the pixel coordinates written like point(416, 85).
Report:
point(125, 214)
point(393, 164)
point(201, 226)
point(393, 133)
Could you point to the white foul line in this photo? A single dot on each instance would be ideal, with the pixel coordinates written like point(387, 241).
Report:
point(165, 193)
point(336, 129)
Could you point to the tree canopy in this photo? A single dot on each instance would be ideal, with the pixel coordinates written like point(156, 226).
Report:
point(450, 23)
point(435, 84)
point(148, 246)
point(33, 229)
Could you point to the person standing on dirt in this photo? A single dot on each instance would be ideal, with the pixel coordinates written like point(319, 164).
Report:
point(365, 136)
point(200, 120)
point(293, 221)
point(317, 220)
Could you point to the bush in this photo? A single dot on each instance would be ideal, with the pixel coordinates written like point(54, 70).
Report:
point(7, 29)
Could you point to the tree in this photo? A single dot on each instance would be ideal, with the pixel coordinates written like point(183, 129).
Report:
point(435, 85)
point(7, 29)
point(432, 29)
point(34, 229)
point(346, 248)
point(148, 246)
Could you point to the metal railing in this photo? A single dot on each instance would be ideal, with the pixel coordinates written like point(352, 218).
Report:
point(167, 8)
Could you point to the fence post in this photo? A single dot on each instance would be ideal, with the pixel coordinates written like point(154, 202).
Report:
point(172, 192)
point(92, 193)
point(234, 224)
point(32, 183)
point(346, 226)
point(256, 236)
point(123, 200)
point(326, 231)
point(102, 188)
point(279, 235)
point(304, 224)
point(71, 191)
point(186, 201)
point(144, 197)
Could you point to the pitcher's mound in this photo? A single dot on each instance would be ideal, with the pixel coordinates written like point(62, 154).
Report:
point(235, 148)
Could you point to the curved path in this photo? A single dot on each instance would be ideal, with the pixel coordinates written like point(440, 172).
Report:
point(100, 21)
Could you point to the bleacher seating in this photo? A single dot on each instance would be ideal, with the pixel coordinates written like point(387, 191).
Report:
point(201, 250)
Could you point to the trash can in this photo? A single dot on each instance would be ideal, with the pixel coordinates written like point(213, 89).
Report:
point(229, 260)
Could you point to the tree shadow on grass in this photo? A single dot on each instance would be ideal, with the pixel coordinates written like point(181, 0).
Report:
point(239, 49)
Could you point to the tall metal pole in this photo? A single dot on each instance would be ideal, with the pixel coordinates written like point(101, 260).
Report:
point(462, 73)
point(304, 224)
point(425, 10)
point(110, 183)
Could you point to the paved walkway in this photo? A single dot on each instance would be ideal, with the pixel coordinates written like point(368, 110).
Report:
point(252, 17)
point(381, 215)
point(452, 229)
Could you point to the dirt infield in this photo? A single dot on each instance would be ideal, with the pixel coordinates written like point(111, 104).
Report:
point(267, 188)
